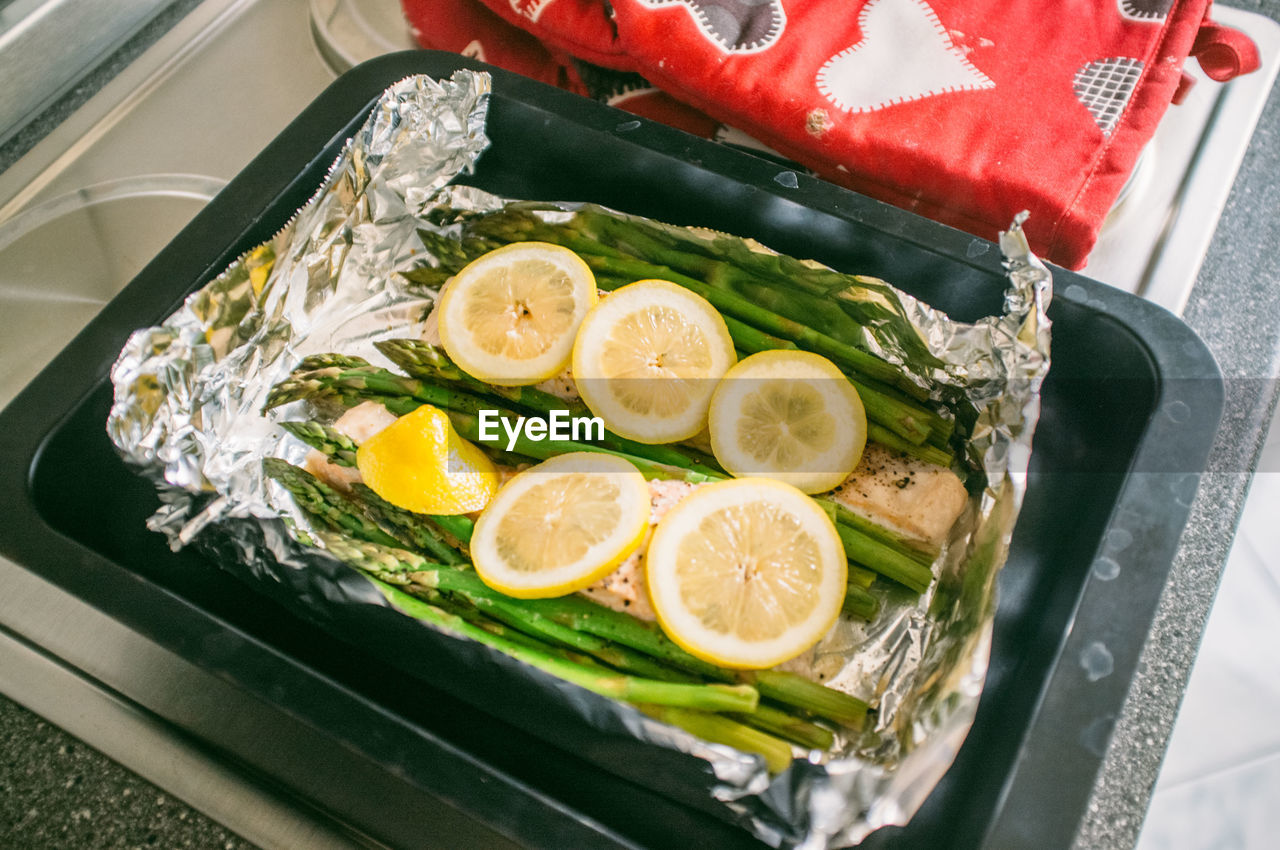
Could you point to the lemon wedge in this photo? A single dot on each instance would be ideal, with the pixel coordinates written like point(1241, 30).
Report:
point(791, 416)
point(421, 464)
point(561, 525)
point(510, 316)
point(746, 573)
point(647, 359)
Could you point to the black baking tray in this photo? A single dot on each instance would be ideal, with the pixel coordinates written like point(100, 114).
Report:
point(1129, 412)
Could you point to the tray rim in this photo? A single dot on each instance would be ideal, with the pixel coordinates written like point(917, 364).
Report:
point(1176, 349)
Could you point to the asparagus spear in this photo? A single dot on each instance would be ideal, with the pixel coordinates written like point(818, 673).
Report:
point(927, 452)
point(639, 240)
point(341, 383)
point(610, 261)
point(814, 697)
point(885, 560)
point(587, 617)
point(920, 552)
point(337, 446)
point(458, 526)
point(868, 301)
point(859, 603)
point(453, 254)
point(787, 688)
point(749, 340)
point(350, 385)
point(884, 553)
point(354, 385)
point(724, 260)
point(721, 730)
point(466, 583)
point(468, 427)
point(861, 576)
point(741, 307)
point(463, 407)
point(713, 697)
point(900, 416)
point(428, 362)
point(332, 508)
point(789, 727)
point(341, 450)
point(762, 306)
point(395, 567)
point(416, 529)
point(574, 612)
point(382, 563)
point(329, 360)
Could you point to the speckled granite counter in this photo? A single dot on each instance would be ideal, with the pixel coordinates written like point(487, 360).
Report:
point(1235, 307)
point(56, 792)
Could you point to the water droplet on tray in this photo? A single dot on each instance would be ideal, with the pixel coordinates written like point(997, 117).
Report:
point(1095, 735)
point(1119, 539)
point(1096, 661)
point(1184, 489)
point(1106, 569)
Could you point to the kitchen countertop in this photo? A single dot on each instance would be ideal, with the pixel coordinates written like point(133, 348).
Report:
point(58, 792)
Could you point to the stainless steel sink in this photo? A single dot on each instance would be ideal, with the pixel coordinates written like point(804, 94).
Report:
point(130, 168)
point(48, 292)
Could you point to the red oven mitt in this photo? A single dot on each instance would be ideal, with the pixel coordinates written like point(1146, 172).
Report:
point(471, 29)
point(966, 111)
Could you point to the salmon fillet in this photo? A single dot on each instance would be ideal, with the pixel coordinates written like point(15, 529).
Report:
point(918, 499)
point(624, 589)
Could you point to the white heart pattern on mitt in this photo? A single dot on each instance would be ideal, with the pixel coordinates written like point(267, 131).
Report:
point(905, 54)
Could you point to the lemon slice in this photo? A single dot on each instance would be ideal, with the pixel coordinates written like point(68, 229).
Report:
point(510, 316)
point(421, 464)
point(746, 573)
point(647, 359)
point(561, 525)
point(791, 416)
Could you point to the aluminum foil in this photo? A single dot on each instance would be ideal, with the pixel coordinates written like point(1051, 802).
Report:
point(187, 413)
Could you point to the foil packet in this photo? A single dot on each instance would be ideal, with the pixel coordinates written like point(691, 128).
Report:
point(187, 413)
